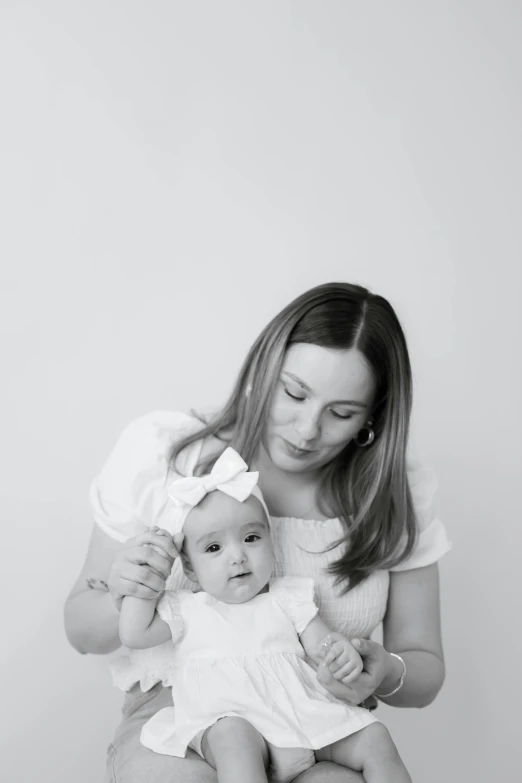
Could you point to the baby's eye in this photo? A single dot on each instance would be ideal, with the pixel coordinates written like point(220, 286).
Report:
point(293, 396)
point(213, 548)
point(251, 538)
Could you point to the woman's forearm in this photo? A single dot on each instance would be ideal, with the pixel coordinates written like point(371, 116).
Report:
point(424, 678)
point(91, 622)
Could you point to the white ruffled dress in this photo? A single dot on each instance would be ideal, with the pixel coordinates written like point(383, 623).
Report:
point(246, 660)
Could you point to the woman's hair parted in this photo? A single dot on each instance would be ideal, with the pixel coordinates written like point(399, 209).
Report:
point(366, 487)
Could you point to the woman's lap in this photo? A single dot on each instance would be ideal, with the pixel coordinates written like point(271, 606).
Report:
point(129, 762)
point(133, 763)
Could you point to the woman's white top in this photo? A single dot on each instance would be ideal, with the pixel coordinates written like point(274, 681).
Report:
point(245, 660)
point(130, 495)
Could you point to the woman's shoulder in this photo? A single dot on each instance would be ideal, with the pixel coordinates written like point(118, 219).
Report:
point(423, 485)
point(158, 428)
point(144, 446)
point(129, 492)
point(433, 541)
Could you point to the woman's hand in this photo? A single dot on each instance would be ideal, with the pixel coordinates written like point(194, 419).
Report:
point(376, 667)
point(142, 567)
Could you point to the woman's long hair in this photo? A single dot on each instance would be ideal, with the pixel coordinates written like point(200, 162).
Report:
point(367, 488)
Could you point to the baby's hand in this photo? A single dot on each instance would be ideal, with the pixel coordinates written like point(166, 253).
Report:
point(341, 658)
point(170, 541)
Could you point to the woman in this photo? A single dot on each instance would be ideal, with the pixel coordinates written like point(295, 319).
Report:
point(321, 408)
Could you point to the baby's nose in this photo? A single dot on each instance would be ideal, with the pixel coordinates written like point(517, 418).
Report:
point(238, 555)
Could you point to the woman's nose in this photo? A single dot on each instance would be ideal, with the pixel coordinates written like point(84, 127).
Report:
point(307, 426)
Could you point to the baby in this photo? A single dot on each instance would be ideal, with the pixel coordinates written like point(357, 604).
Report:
point(245, 697)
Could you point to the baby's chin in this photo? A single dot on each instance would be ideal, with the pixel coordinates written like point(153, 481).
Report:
point(238, 592)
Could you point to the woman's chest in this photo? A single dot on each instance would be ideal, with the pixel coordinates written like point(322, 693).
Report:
point(307, 549)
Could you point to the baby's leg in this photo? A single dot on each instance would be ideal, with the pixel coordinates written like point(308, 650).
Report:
point(370, 751)
point(236, 751)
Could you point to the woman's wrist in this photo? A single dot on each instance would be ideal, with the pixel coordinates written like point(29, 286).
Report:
point(394, 677)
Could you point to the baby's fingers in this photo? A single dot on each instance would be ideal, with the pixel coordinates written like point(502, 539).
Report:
point(152, 556)
point(348, 661)
point(335, 651)
point(349, 672)
point(158, 538)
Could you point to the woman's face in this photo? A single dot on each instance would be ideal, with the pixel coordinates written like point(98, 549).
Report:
point(322, 399)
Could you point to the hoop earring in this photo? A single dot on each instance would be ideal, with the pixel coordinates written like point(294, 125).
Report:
point(370, 437)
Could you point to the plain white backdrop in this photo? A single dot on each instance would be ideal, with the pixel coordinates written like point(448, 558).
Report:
point(172, 174)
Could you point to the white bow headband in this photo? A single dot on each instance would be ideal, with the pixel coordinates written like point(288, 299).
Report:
point(229, 475)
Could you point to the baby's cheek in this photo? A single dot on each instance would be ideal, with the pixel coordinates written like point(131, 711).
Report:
point(199, 567)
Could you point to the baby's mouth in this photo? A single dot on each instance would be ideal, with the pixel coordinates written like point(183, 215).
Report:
point(241, 576)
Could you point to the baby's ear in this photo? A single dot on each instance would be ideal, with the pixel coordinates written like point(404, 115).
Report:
point(187, 567)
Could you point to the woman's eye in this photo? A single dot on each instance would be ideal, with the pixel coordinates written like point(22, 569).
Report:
point(251, 538)
point(345, 417)
point(213, 548)
point(293, 396)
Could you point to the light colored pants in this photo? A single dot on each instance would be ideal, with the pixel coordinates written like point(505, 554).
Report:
point(129, 762)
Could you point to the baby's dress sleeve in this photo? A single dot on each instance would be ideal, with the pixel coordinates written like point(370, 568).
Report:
point(130, 495)
point(151, 665)
point(296, 598)
point(169, 609)
point(432, 542)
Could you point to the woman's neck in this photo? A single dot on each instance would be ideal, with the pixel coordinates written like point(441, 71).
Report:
point(288, 494)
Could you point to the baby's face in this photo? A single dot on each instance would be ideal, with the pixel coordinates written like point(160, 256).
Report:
point(227, 547)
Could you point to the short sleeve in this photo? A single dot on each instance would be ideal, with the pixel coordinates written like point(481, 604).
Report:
point(129, 495)
point(169, 609)
point(296, 598)
point(433, 541)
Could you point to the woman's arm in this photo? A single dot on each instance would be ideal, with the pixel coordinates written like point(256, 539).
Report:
point(412, 630)
point(140, 624)
point(91, 616)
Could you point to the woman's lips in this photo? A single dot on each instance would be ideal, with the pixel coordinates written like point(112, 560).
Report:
point(295, 451)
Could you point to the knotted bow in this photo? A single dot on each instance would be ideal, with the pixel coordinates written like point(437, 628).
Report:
point(229, 475)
